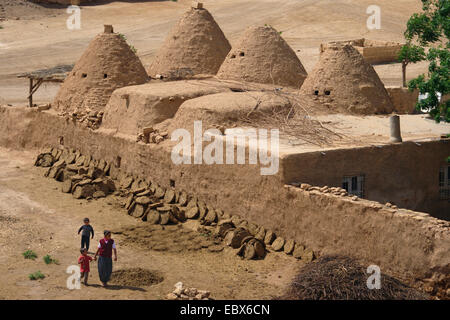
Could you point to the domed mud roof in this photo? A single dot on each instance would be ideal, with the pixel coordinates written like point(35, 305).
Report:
point(261, 55)
point(345, 82)
point(195, 45)
point(107, 64)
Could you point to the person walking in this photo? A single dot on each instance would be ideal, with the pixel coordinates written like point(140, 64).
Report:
point(86, 234)
point(84, 261)
point(105, 250)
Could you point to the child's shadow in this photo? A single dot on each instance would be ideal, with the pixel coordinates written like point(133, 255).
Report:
point(117, 287)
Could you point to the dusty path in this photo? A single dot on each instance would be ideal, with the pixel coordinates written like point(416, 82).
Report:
point(31, 44)
point(35, 215)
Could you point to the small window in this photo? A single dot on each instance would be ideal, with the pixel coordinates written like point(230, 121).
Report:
point(118, 161)
point(354, 185)
point(444, 183)
point(84, 75)
point(233, 56)
point(345, 185)
point(242, 54)
point(327, 92)
point(105, 76)
point(316, 92)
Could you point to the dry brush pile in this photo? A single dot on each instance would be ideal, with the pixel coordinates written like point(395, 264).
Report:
point(334, 277)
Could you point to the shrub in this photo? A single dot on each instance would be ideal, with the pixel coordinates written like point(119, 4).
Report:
point(125, 39)
point(48, 260)
point(36, 276)
point(29, 254)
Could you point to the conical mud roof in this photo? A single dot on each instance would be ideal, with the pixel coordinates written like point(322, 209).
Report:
point(195, 45)
point(107, 64)
point(261, 55)
point(345, 82)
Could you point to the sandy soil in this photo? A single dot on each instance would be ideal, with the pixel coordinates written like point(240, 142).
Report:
point(45, 41)
point(36, 215)
point(27, 10)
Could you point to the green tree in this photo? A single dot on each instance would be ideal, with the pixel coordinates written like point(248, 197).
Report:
point(410, 53)
point(431, 28)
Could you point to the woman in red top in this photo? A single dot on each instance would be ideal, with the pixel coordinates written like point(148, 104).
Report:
point(84, 261)
point(106, 247)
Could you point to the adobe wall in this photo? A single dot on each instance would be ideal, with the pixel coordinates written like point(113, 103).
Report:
point(405, 174)
point(148, 104)
point(404, 101)
point(381, 54)
point(373, 51)
point(410, 245)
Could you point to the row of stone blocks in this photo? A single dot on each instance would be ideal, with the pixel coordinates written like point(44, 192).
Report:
point(88, 178)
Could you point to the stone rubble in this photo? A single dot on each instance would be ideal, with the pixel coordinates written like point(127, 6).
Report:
point(150, 135)
point(184, 293)
point(89, 119)
point(340, 192)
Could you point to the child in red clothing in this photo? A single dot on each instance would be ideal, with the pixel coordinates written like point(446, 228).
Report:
point(84, 261)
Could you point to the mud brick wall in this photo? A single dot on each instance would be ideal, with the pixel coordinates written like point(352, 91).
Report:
point(404, 101)
point(405, 174)
point(380, 54)
point(373, 51)
point(405, 243)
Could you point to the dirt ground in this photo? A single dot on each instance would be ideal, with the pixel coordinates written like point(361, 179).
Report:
point(27, 10)
point(36, 215)
point(44, 41)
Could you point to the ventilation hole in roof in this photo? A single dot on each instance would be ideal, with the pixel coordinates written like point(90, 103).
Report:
point(242, 54)
point(327, 92)
point(316, 92)
point(105, 76)
point(84, 75)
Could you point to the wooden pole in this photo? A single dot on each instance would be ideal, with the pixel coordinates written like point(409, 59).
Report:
point(30, 97)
